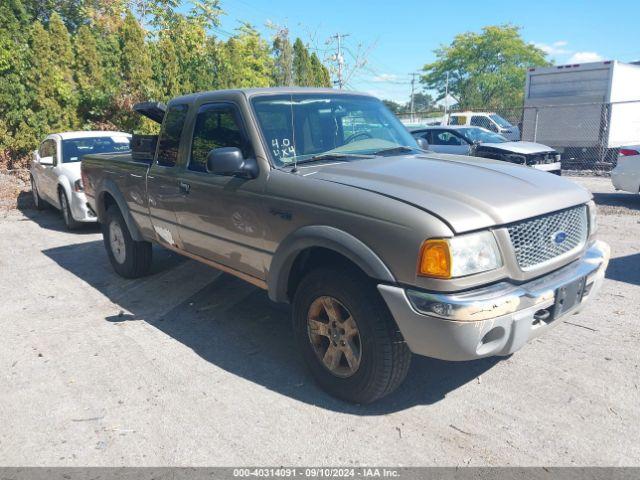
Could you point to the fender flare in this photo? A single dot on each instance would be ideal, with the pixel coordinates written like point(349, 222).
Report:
point(112, 189)
point(327, 237)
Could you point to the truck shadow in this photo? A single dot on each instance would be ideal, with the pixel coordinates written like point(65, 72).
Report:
point(625, 269)
point(236, 327)
point(618, 199)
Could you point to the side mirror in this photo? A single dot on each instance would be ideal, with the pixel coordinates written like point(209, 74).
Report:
point(229, 161)
point(422, 143)
point(46, 161)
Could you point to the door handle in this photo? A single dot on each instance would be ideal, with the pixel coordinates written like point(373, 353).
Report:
point(184, 186)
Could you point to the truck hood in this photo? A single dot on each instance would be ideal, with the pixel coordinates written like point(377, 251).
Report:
point(467, 193)
point(524, 148)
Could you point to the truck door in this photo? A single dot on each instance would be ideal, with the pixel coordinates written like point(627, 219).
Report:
point(163, 185)
point(221, 216)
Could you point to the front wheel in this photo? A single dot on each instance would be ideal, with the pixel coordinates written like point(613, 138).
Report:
point(347, 336)
point(129, 258)
point(65, 207)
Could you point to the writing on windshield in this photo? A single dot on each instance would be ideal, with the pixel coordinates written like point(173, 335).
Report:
point(301, 126)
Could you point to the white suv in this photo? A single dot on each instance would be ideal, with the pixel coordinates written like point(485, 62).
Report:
point(55, 171)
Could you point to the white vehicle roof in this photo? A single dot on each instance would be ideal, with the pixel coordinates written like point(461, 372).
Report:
point(455, 114)
point(88, 133)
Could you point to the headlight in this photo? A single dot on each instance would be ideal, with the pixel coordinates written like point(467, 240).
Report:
point(593, 221)
point(459, 256)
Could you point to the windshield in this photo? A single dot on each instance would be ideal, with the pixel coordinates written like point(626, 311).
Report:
point(73, 149)
point(300, 127)
point(500, 121)
point(476, 134)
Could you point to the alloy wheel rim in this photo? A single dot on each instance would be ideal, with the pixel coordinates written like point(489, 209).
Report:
point(116, 241)
point(334, 336)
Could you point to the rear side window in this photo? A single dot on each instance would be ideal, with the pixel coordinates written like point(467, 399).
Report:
point(169, 139)
point(216, 126)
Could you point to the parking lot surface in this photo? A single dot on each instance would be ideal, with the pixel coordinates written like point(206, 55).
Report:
point(192, 367)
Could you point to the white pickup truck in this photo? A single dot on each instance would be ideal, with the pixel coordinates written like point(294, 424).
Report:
point(55, 171)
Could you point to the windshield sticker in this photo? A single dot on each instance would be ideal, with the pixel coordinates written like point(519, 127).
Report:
point(282, 149)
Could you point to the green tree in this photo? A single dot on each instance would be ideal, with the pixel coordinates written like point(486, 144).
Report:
point(319, 73)
point(395, 107)
point(244, 60)
point(421, 102)
point(486, 70)
point(136, 73)
point(51, 81)
point(283, 59)
point(71, 12)
point(94, 89)
point(16, 134)
point(301, 64)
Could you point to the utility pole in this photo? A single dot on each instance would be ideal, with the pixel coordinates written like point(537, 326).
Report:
point(338, 57)
point(413, 88)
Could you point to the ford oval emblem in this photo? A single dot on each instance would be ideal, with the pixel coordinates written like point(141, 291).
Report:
point(559, 237)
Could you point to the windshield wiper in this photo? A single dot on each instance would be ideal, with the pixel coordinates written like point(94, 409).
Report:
point(333, 156)
point(397, 149)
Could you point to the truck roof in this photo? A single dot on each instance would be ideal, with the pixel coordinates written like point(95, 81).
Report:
point(254, 92)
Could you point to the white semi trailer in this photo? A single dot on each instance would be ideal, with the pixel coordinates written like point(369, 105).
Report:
point(585, 111)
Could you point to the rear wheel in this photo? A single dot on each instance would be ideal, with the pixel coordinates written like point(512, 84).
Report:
point(65, 207)
point(129, 258)
point(37, 200)
point(347, 336)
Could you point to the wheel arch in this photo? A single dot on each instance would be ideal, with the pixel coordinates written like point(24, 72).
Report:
point(109, 195)
point(65, 186)
point(325, 240)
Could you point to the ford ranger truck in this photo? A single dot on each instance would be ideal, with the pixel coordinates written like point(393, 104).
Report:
point(323, 199)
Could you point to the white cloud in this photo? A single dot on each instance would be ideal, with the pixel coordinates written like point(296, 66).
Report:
point(385, 77)
point(556, 48)
point(585, 57)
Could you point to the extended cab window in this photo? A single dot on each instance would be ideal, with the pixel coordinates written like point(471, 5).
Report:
point(169, 139)
point(216, 126)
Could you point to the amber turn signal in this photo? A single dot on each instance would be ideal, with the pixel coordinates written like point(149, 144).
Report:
point(435, 259)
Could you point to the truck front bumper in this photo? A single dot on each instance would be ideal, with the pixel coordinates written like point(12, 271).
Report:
point(494, 320)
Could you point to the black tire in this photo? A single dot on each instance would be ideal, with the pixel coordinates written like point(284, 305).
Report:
point(37, 199)
point(385, 357)
point(65, 208)
point(133, 260)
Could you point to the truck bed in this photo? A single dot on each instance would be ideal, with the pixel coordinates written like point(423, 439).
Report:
point(119, 172)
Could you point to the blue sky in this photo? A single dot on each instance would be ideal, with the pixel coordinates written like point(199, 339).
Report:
point(400, 35)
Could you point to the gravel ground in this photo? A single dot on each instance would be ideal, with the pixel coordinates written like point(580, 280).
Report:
point(192, 367)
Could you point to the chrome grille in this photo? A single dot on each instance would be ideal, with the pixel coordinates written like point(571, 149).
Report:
point(541, 239)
